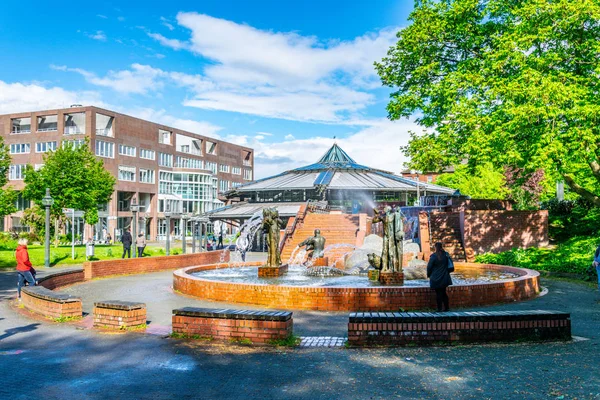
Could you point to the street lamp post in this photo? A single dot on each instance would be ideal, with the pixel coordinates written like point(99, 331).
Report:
point(47, 202)
point(134, 209)
point(168, 244)
point(194, 233)
point(184, 219)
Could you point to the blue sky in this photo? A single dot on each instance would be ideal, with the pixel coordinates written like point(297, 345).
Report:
point(283, 77)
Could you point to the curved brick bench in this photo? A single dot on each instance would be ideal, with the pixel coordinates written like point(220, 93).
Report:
point(378, 328)
point(60, 279)
point(116, 314)
point(224, 324)
point(49, 303)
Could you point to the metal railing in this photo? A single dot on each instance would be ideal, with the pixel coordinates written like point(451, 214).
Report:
point(104, 132)
point(18, 131)
point(46, 129)
point(73, 130)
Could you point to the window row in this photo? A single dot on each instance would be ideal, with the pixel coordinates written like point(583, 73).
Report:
point(192, 163)
point(74, 124)
point(128, 174)
point(40, 147)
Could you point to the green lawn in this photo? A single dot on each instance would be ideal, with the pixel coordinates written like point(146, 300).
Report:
point(62, 255)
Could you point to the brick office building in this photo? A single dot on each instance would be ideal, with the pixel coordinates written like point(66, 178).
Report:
point(163, 168)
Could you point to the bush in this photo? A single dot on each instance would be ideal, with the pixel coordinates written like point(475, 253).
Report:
point(7, 241)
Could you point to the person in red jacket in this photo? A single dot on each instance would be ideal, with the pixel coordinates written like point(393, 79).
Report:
point(25, 270)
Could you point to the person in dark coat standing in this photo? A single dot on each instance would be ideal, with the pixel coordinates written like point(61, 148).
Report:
point(127, 240)
point(438, 272)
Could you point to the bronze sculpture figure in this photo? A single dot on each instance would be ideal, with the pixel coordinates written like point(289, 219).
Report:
point(271, 226)
point(314, 245)
point(393, 236)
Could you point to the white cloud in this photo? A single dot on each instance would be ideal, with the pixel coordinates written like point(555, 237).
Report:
point(121, 19)
point(99, 35)
point(376, 145)
point(21, 97)
point(172, 43)
point(101, 16)
point(289, 137)
point(165, 22)
point(160, 116)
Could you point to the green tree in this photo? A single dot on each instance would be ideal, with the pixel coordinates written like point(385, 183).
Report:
point(8, 196)
point(76, 179)
point(509, 82)
point(485, 183)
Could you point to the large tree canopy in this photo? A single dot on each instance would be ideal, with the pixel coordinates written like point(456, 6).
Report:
point(76, 179)
point(485, 182)
point(8, 196)
point(509, 82)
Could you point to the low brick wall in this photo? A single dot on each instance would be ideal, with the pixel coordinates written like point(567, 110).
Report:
point(50, 304)
point(382, 298)
point(399, 329)
point(119, 314)
point(60, 279)
point(256, 326)
point(99, 269)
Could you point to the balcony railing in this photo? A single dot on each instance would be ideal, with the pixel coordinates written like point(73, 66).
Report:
point(247, 163)
point(18, 131)
point(52, 129)
point(73, 130)
point(190, 151)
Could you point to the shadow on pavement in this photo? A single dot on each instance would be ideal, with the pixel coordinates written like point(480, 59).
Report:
point(22, 329)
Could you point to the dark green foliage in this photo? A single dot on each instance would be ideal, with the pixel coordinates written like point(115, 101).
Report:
point(8, 196)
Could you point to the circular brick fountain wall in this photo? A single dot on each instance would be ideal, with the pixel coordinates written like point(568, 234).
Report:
point(377, 298)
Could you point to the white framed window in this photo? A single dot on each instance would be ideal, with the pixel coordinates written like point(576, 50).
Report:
point(212, 166)
point(74, 124)
point(165, 137)
point(20, 125)
point(17, 172)
point(126, 173)
point(147, 154)
point(20, 148)
point(105, 149)
point(42, 147)
point(75, 143)
point(125, 150)
point(224, 168)
point(104, 125)
point(192, 163)
point(224, 185)
point(146, 175)
point(165, 159)
point(211, 148)
point(47, 123)
point(236, 170)
point(248, 174)
point(247, 156)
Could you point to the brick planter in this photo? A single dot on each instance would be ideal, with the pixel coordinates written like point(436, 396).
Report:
point(115, 314)
point(400, 329)
point(51, 304)
point(256, 326)
point(376, 298)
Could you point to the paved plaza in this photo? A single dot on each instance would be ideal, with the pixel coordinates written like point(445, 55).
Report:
point(68, 361)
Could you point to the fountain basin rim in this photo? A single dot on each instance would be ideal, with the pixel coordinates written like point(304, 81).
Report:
point(524, 273)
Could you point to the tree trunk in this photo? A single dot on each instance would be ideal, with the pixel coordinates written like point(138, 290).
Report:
point(580, 190)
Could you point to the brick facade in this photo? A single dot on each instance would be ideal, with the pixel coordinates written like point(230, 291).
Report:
point(390, 298)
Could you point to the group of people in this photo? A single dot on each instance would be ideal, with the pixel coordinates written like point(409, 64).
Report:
point(127, 240)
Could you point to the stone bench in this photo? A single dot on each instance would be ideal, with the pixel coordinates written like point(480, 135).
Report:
point(50, 303)
point(424, 328)
point(225, 324)
point(116, 314)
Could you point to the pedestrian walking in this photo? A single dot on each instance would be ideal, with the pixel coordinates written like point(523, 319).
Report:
point(127, 240)
point(438, 271)
point(220, 245)
point(25, 271)
point(596, 264)
point(140, 243)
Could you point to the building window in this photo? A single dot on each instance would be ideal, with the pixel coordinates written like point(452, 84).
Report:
point(47, 123)
point(20, 148)
point(37, 167)
point(75, 143)
point(42, 147)
point(105, 149)
point(211, 148)
point(165, 160)
point(104, 125)
point(22, 203)
point(75, 124)
point(165, 137)
point(126, 173)
point(17, 172)
point(147, 154)
point(127, 150)
point(429, 178)
point(146, 175)
point(211, 166)
point(192, 163)
point(224, 168)
point(236, 170)
point(247, 155)
point(224, 185)
point(248, 174)
point(20, 125)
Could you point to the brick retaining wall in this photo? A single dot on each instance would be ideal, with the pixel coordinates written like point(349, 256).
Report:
point(256, 326)
point(50, 304)
point(99, 269)
point(391, 298)
point(399, 329)
point(61, 279)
